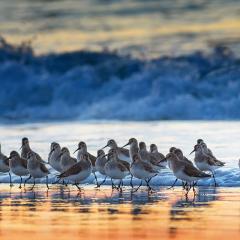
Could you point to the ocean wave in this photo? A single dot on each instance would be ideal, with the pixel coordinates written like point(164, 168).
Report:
point(106, 85)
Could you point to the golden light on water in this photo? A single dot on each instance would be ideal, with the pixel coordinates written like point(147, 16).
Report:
point(138, 31)
point(166, 214)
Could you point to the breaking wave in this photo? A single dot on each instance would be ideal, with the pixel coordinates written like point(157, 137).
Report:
point(106, 85)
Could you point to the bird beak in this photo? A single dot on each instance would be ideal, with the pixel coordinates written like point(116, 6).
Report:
point(192, 151)
point(164, 159)
point(76, 150)
point(21, 147)
point(104, 147)
point(60, 154)
point(125, 145)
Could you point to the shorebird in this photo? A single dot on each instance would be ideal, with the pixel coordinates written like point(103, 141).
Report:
point(36, 168)
point(54, 156)
point(122, 153)
point(82, 149)
point(134, 149)
point(4, 165)
point(100, 164)
point(148, 157)
point(18, 165)
point(79, 171)
point(205, 162)
point(116, 169)
point(181, 157)
point(142, 170)
point(25, 149)
point(206, 150)
point(66, 161)
point(157, 155)
point(185, 171)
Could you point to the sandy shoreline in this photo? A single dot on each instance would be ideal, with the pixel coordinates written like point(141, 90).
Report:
point(64, 213)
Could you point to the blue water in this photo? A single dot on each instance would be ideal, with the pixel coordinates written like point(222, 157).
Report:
point(121, 60)
point(103, 85)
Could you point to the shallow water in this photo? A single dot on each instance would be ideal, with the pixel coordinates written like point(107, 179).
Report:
point(64, 213)
point(221, 137)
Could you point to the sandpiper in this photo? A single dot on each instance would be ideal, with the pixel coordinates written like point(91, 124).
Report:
point(157, 155)
point(206, 150)
point(134, 149)
point(4, 165)
point(82, 149)
point(142, 170)
point(18, 165)
point(54, 156)
point(100, 164)
point(66, 161)
point(116, 169)
point(122, 153)
point(36, 168)
point(181, 157)
point(79, 171)
point(185, 171)
point(25, 149)
point(205, 162)
point(147, 156)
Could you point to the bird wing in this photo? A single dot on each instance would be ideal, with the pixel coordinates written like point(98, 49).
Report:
point(126, 164)
point(148, 167)
point(73, 170)
point(194, 172)
point(23, 162)
point(44, 168)
point(122, 167)
point(124, 151)
point(92, 159)
point(188, 161)
point(6, 160)
point(219, 163)
point(214, 162)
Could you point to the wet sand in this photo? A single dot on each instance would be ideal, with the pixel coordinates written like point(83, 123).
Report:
point(64, 213)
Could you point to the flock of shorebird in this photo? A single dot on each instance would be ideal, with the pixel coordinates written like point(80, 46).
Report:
point(119, 162)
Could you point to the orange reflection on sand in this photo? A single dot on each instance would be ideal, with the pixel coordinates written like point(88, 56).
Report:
point(61, 213)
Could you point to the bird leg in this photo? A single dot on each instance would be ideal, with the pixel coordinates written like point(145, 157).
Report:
point(173, 184)
point(47, 182)
point(137, 187)
point(131, 184)
point(96, 179)
point(103, 181)
point(10, 178)
point(113, 185)
point(215, 183)
point(33, 184)
point(189, 188)
point(149, 187)
point(27, 180)
point(120, 185)
point(20, 186)
point(79, 188)
point(57, 181)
